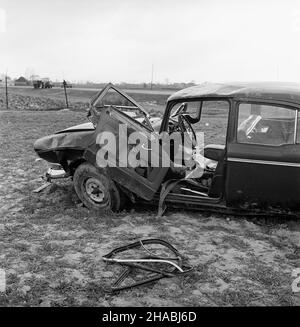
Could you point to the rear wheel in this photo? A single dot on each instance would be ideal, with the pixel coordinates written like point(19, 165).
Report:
point(95, 189)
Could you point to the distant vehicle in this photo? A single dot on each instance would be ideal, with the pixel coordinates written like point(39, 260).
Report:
point(40, 84)
point(48, 85)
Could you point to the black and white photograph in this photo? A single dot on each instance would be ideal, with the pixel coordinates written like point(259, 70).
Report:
point(149, 156)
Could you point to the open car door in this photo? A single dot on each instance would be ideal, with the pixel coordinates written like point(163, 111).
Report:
point(111, 111)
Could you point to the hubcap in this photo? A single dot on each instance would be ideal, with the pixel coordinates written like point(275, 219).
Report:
point(95, 190)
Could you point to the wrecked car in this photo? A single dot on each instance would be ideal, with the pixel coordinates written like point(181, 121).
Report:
point(249, 154)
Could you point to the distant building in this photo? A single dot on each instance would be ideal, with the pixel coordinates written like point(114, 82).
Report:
point(21, 81)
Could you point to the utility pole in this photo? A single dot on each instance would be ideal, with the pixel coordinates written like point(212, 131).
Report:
point(6, 92)
point(151, 77)
point(64, 84)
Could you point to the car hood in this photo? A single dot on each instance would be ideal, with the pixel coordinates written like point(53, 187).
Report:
point(78, 128)
point(75, 137)
point(155, 122)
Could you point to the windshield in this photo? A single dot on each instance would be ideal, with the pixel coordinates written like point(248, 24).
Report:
point(191, 109)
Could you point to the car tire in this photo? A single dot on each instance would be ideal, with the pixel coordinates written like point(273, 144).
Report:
point(95, 189)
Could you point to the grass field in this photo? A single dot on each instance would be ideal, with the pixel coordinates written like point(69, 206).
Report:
point(51, 246)
point(40, 99)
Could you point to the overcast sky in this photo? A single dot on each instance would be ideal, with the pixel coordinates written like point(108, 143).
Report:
point(119, 40)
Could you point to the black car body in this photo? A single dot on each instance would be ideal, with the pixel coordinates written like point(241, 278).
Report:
point(252, 159)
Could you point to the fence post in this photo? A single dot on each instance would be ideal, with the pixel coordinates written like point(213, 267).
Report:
point(6, 92)
point(64, 84)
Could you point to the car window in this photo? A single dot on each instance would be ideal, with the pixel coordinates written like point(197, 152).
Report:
point(265, 124)
point(191, 108)
point(118, 100)
point(213, 122)
point(113, 98)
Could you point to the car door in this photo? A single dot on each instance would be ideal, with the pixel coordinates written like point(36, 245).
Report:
point(111, 116)
point(263, 159)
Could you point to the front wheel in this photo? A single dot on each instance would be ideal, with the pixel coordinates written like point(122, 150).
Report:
point(95, 189)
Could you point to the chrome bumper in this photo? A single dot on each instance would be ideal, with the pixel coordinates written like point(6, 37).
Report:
point(54, 173)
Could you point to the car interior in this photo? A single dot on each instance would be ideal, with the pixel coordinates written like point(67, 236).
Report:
point(183, 119)
point(266, 125)
point(208, 184)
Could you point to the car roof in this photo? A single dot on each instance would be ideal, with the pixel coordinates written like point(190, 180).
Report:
point(281, 91)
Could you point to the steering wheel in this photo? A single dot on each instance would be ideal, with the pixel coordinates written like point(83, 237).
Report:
point(186, 126)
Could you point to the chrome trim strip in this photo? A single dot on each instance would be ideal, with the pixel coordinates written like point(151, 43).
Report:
point(265, 162)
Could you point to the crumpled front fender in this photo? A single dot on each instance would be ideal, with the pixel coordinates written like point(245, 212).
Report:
point(77, 140)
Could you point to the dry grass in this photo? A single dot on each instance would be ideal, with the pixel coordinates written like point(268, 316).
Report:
point(51, 247)
point(28, 98)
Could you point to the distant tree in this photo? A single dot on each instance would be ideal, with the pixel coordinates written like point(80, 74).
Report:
point(34, 77)
point(29, 72)
point(2, 77)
